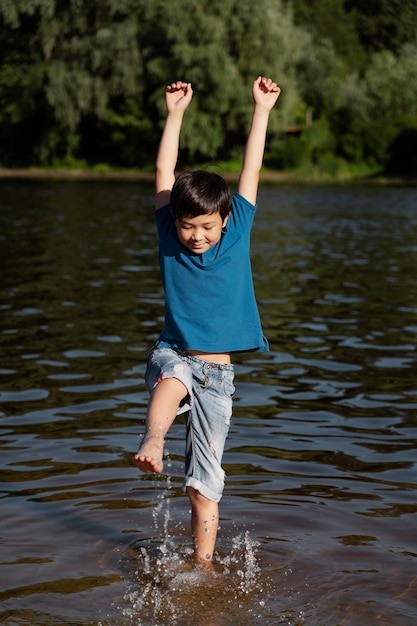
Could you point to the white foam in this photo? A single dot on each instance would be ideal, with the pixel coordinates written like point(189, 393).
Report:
point(185, 580)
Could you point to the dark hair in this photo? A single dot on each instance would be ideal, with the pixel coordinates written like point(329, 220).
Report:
point(199, 192)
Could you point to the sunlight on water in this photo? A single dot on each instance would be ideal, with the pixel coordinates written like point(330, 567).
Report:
point(318, 519)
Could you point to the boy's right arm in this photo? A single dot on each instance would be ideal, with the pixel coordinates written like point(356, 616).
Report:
point(178, 96)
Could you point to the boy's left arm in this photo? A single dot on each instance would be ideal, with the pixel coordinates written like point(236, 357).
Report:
point(265, 94)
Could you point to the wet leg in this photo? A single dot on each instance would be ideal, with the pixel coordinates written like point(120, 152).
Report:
point(162, 410)
point(204, 525)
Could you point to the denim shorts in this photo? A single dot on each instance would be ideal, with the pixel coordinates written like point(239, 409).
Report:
point(209, 404)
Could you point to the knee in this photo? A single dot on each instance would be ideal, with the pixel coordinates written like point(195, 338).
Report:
point(196, 498)
point(170, 388)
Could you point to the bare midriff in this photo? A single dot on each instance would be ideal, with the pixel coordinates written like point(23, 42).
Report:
point(222, 358)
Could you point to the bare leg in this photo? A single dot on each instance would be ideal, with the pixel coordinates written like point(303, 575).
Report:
point(204, 525)
point(162, 411)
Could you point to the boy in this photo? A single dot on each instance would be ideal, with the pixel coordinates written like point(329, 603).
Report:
point(210, 307)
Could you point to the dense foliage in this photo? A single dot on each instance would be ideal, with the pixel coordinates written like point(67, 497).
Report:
point(81, 81)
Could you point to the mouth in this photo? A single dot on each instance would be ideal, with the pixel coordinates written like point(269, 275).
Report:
point(197, 246)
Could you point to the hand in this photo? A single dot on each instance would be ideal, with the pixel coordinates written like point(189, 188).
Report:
point(178, 96)
point(265, 92)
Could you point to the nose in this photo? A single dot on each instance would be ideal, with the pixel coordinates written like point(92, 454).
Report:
point(197, 235)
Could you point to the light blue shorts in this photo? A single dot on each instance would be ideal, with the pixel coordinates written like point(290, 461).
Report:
point(209, 403)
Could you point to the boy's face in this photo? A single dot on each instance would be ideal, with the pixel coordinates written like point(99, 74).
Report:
point(200, 233)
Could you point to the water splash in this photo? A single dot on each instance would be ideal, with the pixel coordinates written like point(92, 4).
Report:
point(243, 557)
point(164, 585)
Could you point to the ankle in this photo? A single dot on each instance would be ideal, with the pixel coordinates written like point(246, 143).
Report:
point(154, 436)
point(154, 442)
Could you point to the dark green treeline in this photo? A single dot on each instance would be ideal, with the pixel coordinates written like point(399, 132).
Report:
point(81, 81)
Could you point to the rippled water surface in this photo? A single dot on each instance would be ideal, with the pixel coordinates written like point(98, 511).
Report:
point(319, 515)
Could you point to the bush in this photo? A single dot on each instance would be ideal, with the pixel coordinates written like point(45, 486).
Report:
point(294, 151)
point(286, 153)
point(403, 153)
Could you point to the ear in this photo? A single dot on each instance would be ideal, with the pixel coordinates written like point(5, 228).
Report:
point(225, 220)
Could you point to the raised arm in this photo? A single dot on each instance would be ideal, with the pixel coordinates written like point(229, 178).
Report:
point(178, 96)
point(265, 94)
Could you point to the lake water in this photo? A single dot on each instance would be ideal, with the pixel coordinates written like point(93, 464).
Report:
point(319, 515)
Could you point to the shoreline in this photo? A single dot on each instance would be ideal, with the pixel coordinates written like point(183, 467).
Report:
point(81, 174)
point(267, 176)
point(33, 173)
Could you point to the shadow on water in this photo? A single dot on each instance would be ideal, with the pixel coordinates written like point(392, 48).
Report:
point(319, 513)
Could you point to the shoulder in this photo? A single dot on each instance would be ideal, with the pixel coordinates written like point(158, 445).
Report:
point(242, 211)
point(163, 210)
point(239, 202)
point(163, 219)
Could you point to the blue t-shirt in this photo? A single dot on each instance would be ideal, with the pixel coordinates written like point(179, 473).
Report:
point(210, 301)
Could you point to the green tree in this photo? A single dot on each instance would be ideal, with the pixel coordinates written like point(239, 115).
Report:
point(384, 24)
point(220, 46)
point(391, 84)
point(321, 74)
point(378, 108)
point(100, 67)
point(391, 93)
point(83, 54)
point(332, 21)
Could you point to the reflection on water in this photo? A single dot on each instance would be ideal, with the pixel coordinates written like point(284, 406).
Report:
point(320, 508)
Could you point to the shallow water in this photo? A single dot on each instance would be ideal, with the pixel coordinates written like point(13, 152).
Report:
point(319, 515)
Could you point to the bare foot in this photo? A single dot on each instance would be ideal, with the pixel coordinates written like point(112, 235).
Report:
point(149, 456)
